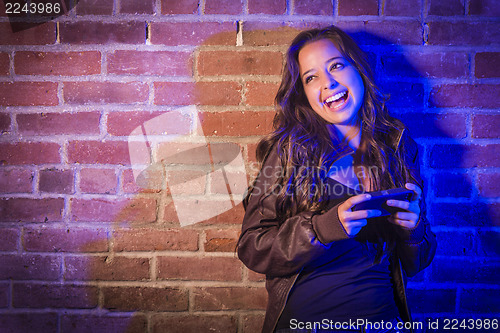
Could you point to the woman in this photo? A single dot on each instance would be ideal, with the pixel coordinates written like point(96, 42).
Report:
point(326, 264)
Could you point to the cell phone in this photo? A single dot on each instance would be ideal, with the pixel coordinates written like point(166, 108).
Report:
point(378, 200)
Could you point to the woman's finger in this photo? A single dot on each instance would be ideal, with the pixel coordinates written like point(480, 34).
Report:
point(399, 204)
point(416, 189)
point(409, 224)
point(362, 214)
point(352, 201)
point(355, 227)
point(405, 216)
point(358, 223)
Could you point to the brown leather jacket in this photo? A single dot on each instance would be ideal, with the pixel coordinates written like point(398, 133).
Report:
point(280, 249)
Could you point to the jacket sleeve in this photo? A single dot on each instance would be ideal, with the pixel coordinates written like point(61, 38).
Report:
point(417, 246)
point(277, 247)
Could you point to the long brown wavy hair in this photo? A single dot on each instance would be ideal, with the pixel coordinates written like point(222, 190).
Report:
point(305, 145)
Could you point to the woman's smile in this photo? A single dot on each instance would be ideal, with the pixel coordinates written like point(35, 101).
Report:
point(337, 101)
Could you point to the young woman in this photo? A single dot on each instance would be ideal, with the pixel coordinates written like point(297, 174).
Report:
point(329, 267)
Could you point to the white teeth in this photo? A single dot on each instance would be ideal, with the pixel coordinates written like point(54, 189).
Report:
point(335, 97)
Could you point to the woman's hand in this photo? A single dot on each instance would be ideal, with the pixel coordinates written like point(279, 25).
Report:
point(353, 221)
point(409, 217)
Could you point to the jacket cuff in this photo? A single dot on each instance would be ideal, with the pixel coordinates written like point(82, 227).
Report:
point(413, 235)
point(328, 227)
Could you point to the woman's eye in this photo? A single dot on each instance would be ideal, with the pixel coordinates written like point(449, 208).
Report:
point(308, 79)
point(336, 65)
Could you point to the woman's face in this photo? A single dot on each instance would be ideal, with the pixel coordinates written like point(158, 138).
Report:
point(332, 85)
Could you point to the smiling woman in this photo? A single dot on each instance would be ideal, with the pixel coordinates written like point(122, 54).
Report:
point(324, 260)
point(333, 86)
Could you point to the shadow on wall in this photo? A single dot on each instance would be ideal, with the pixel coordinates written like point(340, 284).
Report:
point(166, 261)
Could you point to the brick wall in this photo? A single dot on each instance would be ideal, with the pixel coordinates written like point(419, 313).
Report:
point(87, 245)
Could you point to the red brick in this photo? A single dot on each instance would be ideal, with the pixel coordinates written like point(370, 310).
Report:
point(464, 33)
point(91, 7)
point(402, 8)
point(260, 93)
point(229, 298)
point(252, 323)
point(4, 295)
point(91, 152)
point(252, 152)
point(276, 7)
point(488, 185)
point(169, 211)
point(196, 154)
point(223, 6)
point(98, 181)
point(31, 210)
point(102, 323)
point(486, 243)
point(203, 208)
point(16, 181)
point(106, 268)
point(465, 95)
point(396, 32)
point(194, 323)
point(37, 34)
point(137, 6)
point(314, 7)
point(28, 93)
point(29, 153)
point(105, 92)
point(446, 7)
point(56, 181)
point(231, 216)
point(2, 10)
point(4, 64)
point(187, 33)
point(58, 123)
point(221, 240)
point(357, 7)
point(193, 268)
point(232, 182)
point(484, 8)
point(30, 267)
point(487, 64)
point(5, 122)
point(145, 299)
point(236, 123)
point(9, 239)
point(155, 240)
point(150, 63)
point(204, 93)
point(239, 63)
point(258, 33)
point(57, 63)
point(436, 125)
point(486, 126)
point(151, 183)
point(179, 7)
point(187, 182)
point(29, 322)
point(464, 156)
point(30, 295)
point(140, 210)
point(445, 64)
point(452, 185)
point(155, 123)
point(65, 240)
point(93, 32)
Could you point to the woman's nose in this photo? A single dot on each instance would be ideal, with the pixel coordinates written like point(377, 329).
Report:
point(329, 81)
